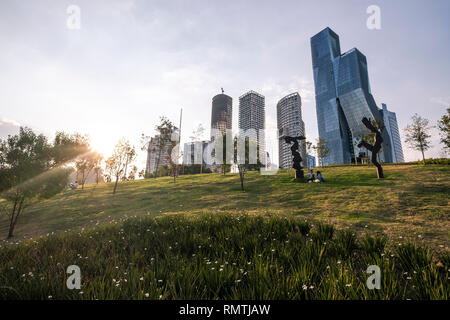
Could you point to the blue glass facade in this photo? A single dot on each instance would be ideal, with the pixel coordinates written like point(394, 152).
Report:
point(343, 97)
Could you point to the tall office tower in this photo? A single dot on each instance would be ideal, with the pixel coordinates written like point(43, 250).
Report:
point(290, 123)
point(343, 98)
point(252, 117)
point(391, 126)
point(222, 114)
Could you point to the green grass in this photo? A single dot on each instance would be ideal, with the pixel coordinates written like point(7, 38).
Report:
point(277, 240)
point(411, 203)
point(218, 256)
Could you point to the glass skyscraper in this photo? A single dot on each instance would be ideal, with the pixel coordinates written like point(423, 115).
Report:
point(343, 98)
point(391, 126)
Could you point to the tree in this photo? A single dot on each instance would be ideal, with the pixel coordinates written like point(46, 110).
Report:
point(321, 149)
point(242, 159)
point(132, 174)
point(164, 130)
point(115, 165)
point(32, 169)
point(418, 135)
point(85, 163)
point(444, 127)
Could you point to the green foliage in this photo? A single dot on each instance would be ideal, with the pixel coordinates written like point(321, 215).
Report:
point(444, 127)
point(323, 232)
point(345, 244)
point(30, 168)
point(207, 256)
point(413, 257)
point(373, 246)
point(417, 134)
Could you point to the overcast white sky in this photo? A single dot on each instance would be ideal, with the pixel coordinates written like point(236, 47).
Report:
point(133, 61)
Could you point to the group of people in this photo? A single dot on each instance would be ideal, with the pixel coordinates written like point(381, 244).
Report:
point(312, 177)
point(73, 185)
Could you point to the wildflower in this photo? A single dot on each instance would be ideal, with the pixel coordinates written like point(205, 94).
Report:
point(50, 297)
point(304, 287)
point(147, 295)
point(160, 281)
point(339, 262)
point(348, 285)
point(160, 296)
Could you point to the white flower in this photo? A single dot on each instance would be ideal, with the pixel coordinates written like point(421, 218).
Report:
point(304, 287)
point(141, 278)
point(147, 295)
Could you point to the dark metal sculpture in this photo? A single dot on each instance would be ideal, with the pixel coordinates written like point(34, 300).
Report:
point(297, 158)
point(375, 148)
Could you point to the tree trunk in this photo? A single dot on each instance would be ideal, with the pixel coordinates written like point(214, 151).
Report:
point(14, 215)
point(241, 176)
point(423, 157)
point(115, 185)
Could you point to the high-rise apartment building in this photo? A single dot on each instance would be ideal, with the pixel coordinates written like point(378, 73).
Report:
point(391, 126)
point(290, 123)
point(343, 98)
point(252, 117)
point(222, 114)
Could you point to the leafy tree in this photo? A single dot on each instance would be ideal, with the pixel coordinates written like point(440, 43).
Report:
point(32, 169)
point(164, 129)
point(86, 163)
point(132, 174)
point(115, 165)
point(418, 135)
point(321, 149)
point(444, 127)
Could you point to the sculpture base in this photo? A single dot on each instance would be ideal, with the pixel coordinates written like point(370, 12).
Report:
point(299, 175)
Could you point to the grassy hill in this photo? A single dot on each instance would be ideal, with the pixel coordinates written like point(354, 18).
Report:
point(411, 203)
point(203, 238)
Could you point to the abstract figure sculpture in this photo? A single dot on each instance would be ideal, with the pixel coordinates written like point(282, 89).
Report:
point(375, 148)
point(297, 158)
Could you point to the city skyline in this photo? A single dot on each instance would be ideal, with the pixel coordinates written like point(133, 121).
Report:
point(132, 61)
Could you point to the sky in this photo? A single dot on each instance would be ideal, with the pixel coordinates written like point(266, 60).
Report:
point(132, 61)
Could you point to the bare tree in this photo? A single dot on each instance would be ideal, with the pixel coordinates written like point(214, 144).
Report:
point(418, 135)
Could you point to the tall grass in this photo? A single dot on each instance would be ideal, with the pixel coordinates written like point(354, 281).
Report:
point(220, 256)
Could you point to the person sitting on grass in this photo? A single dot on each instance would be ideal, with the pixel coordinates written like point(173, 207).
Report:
point(73, 185)
point(311, 176)
point(319, 177)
